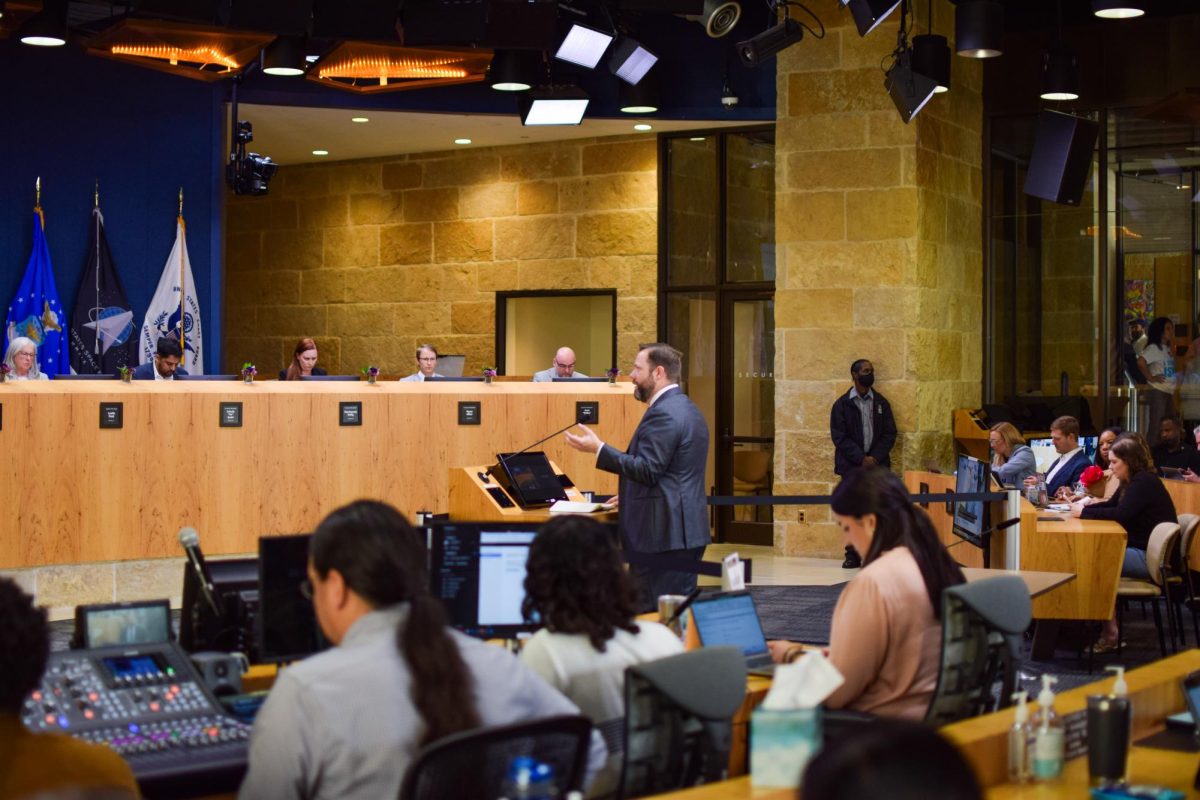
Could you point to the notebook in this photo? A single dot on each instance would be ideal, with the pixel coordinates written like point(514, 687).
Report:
point(730, 618)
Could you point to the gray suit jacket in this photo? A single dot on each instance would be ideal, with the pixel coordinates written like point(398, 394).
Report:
point(548, 375)
point(662, 477)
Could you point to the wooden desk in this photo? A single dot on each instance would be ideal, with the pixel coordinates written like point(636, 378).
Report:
point(1038, 583)
point(87, 494)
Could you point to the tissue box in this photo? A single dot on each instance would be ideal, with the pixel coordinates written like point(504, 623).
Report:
point(781, 743)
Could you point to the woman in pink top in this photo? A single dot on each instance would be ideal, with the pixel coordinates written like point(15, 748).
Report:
point(886, 635)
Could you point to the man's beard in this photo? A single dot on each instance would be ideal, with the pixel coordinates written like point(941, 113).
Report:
point(642, 393)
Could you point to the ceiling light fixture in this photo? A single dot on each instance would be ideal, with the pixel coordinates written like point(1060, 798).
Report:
point(514, 70)
point(369, 68)
point(320, 152)
point(631, 61)
point(285, 56)
point(869, 13)
point(1060, 73)
point(583, 45)
point(1118, 9)
point(641, 98)
point(462, 141)
point(931, 55)
point(643, 126)
point(979, 28)
point(553, 105)
point(48, 27)
point(909, 90)
point(360, 119)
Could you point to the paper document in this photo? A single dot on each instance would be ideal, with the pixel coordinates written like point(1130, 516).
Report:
point(572, 507)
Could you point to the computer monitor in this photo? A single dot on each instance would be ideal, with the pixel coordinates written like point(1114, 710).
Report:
point(99, 377)
point(580, 380)
point(328, 377)
point(1045, 454)
point(970, 516)
point(287, 624)
point(477, 570)
point(107, 624)
point(235, 585)
point(528, 478)
point(453, 379)
point(218, 377)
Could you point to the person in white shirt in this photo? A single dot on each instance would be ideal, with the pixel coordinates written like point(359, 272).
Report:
point(576, 583)
point(427, 358)
point(21, 360)
point(347, 722)
point(1157, 364)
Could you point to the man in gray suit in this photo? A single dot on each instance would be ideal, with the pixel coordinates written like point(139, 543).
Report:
point(562, 367)
point(661, 490)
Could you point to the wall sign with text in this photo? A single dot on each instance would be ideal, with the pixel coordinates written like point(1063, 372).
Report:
point(350, 413)
point(231, 415)
point(112, 415)
point(470, 412)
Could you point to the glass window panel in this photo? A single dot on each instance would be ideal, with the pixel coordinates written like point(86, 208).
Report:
point(750, 206)
point(692, 329)
point(754, 368)
point(692, 213)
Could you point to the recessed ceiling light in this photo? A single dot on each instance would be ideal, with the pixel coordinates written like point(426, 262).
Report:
point(697, 139)
point(320, 152)
point(360, 119)
point(1112, 9)
point(311, 59)
point(642, 126)
point(462, 141)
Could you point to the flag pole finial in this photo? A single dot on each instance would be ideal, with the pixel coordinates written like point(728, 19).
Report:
point(37, 192)
point(181, 201)
point(96, 195)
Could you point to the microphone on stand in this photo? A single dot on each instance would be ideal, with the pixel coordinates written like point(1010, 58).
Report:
point(503, 475)
point(189, 540)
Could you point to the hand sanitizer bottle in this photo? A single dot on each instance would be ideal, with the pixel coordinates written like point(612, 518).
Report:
point(1018, 741)
point(1047, 735)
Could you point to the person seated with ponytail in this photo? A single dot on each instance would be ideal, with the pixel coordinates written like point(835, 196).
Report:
point(346, 723)
point(886, 633)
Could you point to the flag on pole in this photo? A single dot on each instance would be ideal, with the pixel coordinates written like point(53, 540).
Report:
point(102, 338)
point(175, 309)
point(36, 311)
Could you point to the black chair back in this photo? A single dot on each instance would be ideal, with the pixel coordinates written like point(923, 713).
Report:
point(474, 764)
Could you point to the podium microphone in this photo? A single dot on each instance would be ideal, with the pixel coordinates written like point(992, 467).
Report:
point(506, 456)
point(189, 540)
point(501, 472)
point(1003, 526)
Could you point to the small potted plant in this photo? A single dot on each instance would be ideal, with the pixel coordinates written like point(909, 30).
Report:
point(248, 372)
point(613, 372)
point(488, 374)
point(126, 373)
point(372, 373)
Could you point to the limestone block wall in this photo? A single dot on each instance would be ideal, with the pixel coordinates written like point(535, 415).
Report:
point(879, 240)
point(372, 257)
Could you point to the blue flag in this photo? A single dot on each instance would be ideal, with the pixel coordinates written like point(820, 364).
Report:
point(36, 311)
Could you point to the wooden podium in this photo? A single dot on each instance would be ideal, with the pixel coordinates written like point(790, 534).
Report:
point(471, 500)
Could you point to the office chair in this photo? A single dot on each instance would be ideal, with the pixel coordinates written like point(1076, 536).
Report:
point(678, 720)
point(474, 764)
point(982, 625)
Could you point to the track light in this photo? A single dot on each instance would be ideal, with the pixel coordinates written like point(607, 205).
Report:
point(910, 91)
point(1060, 74)
point(640, 98)
point(285, 56)
point(630, 61)
point(1118, 9)
point(759, 48)
point(869, 13)
point(554, 105)
point(931, 58)
point(979, 28)
point(48, 27)
point(583, 46)
point(514, 70)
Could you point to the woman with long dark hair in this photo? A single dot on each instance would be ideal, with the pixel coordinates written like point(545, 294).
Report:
point(304, 362)
point(886, 635)
point(576, 583)
point(347, 722)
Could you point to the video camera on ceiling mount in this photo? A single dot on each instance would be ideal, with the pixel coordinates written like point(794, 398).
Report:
point(247, 173)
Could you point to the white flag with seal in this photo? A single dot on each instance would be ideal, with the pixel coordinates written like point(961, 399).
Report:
point(175, 309)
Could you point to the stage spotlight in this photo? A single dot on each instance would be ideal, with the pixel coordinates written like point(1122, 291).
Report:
point(554, 105)
point(583, 46)
point(630, 61)
point(910, 91)
point(1118, 9)
point(514, 70)
point(719, 17)
point(48, 27)
point(285, 56)
point(931, 58)
point(1060, 74)
point(755, 50)
point(979, 28)
point(869, 13)
point(640, 98)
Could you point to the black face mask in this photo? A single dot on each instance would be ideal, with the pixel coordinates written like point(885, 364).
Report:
point(867, 381)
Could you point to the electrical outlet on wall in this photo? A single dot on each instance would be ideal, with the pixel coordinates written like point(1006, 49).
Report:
point(800, 516)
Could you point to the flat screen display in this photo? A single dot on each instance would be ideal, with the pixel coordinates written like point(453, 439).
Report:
point(970, 517)
point(730, 619)
point(134, 624)
point(529, 478)
point(287, 625)
point(478, 572)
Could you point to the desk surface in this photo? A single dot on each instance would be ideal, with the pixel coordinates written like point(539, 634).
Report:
point(1038, 583)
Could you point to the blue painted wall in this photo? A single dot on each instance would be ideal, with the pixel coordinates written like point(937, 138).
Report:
point(74, 119)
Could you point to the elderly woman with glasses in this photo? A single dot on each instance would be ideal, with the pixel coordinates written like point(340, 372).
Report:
point(21, 360)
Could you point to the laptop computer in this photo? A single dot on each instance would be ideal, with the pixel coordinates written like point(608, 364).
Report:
point(730, 618)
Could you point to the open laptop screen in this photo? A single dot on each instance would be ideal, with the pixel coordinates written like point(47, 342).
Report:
point(729, 619)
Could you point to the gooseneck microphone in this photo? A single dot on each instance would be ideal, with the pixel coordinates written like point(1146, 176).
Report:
point(189, 540)
point(506, 456)
point(500, 470)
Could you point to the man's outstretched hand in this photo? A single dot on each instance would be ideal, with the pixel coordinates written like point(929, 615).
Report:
point(586, 442)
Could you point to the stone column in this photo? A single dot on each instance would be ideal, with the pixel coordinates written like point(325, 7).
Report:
point(879, 227)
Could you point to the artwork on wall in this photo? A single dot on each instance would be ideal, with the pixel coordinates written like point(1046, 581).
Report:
point(1139, 300)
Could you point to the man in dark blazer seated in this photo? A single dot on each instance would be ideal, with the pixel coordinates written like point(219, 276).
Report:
point(165, 366)
point(863, 431)
point(1072, 459)
point(661, 489)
